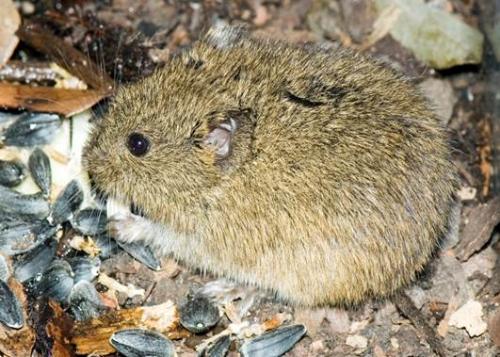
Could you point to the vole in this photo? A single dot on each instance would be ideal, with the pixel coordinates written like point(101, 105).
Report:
point(320, 175)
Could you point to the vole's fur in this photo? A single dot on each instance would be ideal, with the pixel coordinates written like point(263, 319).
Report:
point(337, 186)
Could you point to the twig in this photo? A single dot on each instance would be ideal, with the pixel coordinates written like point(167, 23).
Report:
point(65, 56)
point(408, 309)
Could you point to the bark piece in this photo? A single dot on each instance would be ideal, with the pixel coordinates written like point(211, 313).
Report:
point(477, 231)
point(92, 337)
point(14, 342)
point(57, 329)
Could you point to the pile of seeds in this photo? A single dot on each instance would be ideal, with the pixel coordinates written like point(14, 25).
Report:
point(40, 203)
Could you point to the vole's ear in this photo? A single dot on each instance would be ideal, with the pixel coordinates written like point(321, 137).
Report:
point(220, 137)
point(222, 35)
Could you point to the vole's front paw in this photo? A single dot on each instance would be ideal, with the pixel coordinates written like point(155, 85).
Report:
point(126, 227)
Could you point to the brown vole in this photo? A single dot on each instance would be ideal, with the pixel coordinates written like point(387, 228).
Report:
point(318, 174)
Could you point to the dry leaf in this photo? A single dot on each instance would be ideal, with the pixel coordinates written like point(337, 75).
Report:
point(48, 99)
point(86, 245)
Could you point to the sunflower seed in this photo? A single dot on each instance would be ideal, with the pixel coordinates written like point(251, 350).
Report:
point(13, 202)
point(219, 348)
point(17, 237)
point(274, 343)
point(35, 262)
point(20, 237)
point(67, 202)
point(4, 269)
point(198, 314)
point(57, 281)
point(5, 117)
point(85, 302)
point(90, 222)
point(39, 165)
point(12, 173)
point(142, 253)
point(45, 231)
point(32, 129)
point(7, 219)
point(142, 343)
point(11, 314)
point(84, 268)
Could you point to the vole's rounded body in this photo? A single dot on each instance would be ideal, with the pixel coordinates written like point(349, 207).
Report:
point(317, 174)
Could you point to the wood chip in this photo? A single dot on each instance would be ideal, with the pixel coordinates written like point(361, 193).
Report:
point(48, 99)
point(57, 329)
point(275, 321)
point(129, 290)
point(86, 245)
point(485, 155)
point(477, 232)
point(92, 337)
point(20, 342)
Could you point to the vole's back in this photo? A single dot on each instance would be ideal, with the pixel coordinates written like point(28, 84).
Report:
point(340, 183)
point(349, 184)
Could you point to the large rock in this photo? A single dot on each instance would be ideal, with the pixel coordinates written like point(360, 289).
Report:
point(436, 37)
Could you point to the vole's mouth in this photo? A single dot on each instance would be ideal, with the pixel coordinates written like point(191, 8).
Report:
point(117, 206)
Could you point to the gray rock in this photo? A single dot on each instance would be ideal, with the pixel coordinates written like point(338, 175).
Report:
point(441, 96)
point(436, 37)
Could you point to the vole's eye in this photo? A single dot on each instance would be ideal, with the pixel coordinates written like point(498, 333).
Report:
point(138, 144)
